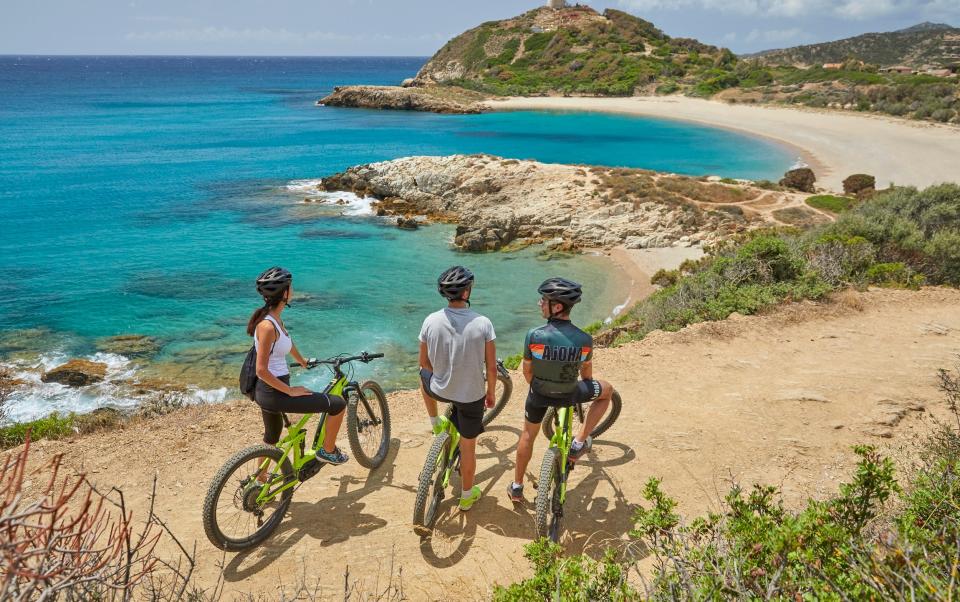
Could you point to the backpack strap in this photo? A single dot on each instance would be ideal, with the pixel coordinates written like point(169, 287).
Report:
point(277, 330)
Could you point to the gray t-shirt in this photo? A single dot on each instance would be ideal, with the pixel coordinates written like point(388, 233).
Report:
point(456, 340)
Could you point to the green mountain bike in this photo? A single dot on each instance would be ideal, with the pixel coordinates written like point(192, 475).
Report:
point(443, 459)
point(556, 466)
point(250, 494)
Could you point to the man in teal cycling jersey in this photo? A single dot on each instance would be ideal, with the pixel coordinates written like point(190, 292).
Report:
point(558, 365)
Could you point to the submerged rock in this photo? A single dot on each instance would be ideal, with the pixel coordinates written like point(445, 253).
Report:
point(76, 373)
point(129, 345)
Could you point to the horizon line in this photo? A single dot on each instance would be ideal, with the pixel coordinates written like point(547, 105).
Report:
point(249, 56)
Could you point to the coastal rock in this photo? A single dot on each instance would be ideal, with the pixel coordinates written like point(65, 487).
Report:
point(433, 100)
point(76, 373)
point(406, 223)
point(498, 202)
point(859, 184)
point(801, 179)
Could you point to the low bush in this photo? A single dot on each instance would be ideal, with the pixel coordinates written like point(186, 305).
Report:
point(893, 275)
point(858, 183)
point(831, 203)
point(53, 426)
point(512, 362)
point(665, 277)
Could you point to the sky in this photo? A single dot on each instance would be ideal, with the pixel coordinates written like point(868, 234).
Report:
point(414, 27)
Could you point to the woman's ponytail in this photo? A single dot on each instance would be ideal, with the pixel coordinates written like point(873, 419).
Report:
point(258, 315)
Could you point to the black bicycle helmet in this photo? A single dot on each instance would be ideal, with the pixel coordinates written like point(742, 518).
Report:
point(454, 281)
point(561, 290)
point(273, 281)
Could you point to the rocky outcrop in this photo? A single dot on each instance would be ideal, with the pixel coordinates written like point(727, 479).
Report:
point(500, 203)
point(76, 373)
point(434, 100)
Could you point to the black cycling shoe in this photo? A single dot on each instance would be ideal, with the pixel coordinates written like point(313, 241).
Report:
point(575, 454)
point(336, 458)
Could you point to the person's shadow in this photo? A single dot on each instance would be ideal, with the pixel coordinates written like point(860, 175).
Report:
point(329, 521)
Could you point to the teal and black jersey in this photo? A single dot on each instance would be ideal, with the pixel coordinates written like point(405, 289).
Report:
point(557, 350)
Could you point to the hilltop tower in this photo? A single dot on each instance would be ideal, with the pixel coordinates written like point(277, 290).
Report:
point(555, 4)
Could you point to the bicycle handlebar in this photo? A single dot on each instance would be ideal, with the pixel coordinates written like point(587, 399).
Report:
point(339, 361)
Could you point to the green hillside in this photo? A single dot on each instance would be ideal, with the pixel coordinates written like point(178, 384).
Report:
point(571, 50)
point(924, 44)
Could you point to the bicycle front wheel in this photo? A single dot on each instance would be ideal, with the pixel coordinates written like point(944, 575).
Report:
point(550, 419)
point(548, 505)
point(232, 518)
point(368, 425)
point(430, 485)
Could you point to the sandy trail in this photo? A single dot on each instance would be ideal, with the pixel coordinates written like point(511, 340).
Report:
point(778, 399)
point(836, 144)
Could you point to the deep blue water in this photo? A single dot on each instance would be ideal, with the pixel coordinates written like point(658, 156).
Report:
point(143, 194)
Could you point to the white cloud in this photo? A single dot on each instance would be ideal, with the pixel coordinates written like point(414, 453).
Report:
point(847, 9)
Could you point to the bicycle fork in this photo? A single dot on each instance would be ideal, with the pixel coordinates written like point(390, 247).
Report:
point(452, 457)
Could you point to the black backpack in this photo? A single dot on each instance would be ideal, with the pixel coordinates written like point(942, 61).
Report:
point(248, 371)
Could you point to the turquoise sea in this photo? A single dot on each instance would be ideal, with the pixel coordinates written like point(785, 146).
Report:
point(142, 195)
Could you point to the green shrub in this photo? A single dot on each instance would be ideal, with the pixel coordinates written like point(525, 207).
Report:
point(53, 426)
point(513, 362)
point(893, 275)
point(577, 578)
point(593, 327)
point(665, 277)
point(831, 203)
point(858, 183)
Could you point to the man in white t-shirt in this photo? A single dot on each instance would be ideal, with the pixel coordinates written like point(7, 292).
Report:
point(456, 347)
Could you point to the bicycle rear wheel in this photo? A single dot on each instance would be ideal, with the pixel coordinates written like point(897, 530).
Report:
point(232, 518)
point(548, 506)
point(550, 419)
point(503, 393)
point(368, 425)
point(430, 485)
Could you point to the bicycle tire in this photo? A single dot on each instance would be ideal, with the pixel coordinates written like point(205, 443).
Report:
point(490, 413)
point(616, 405)
point(212, 528)
point(548, 525)
point(436, 462)
point(378, 400)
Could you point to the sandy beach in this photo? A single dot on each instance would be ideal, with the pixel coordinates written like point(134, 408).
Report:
point(835, 144)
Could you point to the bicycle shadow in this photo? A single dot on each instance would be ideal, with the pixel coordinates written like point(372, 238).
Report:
point(454, 532)
point(593, 523)
point(313, 519)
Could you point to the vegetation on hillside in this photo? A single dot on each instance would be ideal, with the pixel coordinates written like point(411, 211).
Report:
point(902, 238)
point(578, 51)
point(877, 538)
point(574, 51)
point(924, 44)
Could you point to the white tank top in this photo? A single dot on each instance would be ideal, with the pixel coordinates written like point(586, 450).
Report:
point(278, 357)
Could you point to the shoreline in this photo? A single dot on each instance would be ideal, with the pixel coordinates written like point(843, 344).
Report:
point(834, 144)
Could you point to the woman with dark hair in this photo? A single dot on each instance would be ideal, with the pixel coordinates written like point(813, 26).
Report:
point(274, 393)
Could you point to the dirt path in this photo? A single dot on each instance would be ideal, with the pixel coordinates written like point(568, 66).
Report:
point(778, 399)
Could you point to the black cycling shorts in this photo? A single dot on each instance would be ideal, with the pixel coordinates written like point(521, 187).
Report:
point(272, 403)
point(467, 417)
point(536, 406)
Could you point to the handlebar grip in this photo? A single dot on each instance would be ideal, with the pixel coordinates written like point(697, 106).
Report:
point(374, 356)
